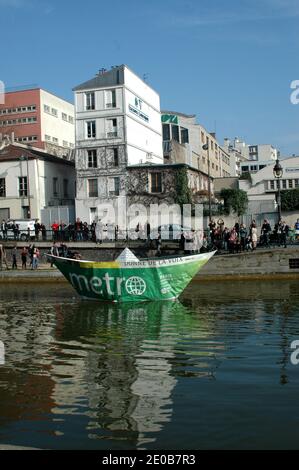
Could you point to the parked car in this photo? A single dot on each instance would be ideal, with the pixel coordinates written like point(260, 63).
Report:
point(172, 231)
point(26, 226)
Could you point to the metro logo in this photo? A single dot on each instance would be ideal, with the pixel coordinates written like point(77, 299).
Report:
point(107, 284)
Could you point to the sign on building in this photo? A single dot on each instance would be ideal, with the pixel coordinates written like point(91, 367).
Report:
point(169, 119)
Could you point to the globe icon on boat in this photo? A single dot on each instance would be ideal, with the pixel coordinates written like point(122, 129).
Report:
point(135, 285)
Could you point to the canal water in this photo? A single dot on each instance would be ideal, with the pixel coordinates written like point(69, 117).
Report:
point(211, 371)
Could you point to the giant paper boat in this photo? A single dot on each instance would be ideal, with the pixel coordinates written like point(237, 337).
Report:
point(130, 279)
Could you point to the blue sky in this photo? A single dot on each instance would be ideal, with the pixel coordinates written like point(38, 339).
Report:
point(229, 62)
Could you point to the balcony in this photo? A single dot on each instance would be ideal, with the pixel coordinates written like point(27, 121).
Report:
point(111, 135)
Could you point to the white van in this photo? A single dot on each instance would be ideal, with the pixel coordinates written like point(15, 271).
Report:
point(24, 225)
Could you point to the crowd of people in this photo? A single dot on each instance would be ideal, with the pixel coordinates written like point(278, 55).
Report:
point(217, 237)
point(29, 254)
point(241, 238)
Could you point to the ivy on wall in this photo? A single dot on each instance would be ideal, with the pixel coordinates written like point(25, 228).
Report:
point(290, 200)
point(235, 200)
point(182, 193)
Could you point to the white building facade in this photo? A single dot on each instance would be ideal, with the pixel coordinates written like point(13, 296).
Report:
point(262, 188)
point(31, 181)
point(118, 124)
point(249, 158)
point(57, 123)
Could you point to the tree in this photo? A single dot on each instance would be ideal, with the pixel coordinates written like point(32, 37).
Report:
point(183, 193)
point(235, 200)
point(290, 200)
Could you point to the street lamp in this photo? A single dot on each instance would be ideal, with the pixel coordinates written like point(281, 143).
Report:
point(207, 148)
point(278, 172)
point(22, 158)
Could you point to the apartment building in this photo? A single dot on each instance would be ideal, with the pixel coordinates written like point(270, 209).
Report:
point(118, 124)
point(183, 141)
point(38, 118)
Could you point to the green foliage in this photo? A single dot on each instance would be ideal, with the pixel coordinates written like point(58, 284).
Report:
point(183, 193)
point(235, 200)
point(290, 200)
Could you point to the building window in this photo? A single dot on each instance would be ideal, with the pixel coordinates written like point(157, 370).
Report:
point(91, 129)
point(90, 100)
point(116, 186)
point(284, 184)
point(111, 128)
point(48, 137)
point(290, 184)
point(23, 191)
point(47, 108)
point(64, 143)
point(54, 112)
point(93, 188)
point(65, 188)
point(166, 132)
point(297, 183)
point(64, 116)
point(156, 182)
point(55, 140)
point(71, 120)
point(26, 212)
point(175, 133)
point(92, 214)
point(92, 159)
point(212, 145)
point(110, 99)
point(184, 136)
point(203, 138)
point(2, 187)
point(29, 138)
point(115, 157)
point(272, 185)
point(55, 187)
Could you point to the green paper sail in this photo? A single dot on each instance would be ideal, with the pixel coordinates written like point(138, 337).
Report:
point(131, 281)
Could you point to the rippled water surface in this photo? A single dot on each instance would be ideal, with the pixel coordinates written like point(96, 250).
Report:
point(210, 371)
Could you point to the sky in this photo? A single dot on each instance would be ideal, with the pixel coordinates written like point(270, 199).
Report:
point(229, 62)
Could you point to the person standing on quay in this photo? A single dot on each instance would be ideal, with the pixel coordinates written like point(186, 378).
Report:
point(24, 254)
point(14, 258)
point(35, 258)
point(253, 236)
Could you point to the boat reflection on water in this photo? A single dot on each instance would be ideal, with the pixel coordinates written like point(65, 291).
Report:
point(124, 368)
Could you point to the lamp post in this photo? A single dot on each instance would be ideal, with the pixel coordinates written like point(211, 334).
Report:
point(207, 148)
point(278, 172)
point(22, 158)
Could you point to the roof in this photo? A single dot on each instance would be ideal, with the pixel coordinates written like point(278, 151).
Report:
point(14, 152)
point(112, 77)
point(178, 114)
point(165, 166)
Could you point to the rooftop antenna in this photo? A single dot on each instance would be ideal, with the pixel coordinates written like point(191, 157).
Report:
point(102, 71)
point(145, 77)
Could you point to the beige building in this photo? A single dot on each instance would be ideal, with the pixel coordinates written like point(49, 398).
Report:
point(183, 141)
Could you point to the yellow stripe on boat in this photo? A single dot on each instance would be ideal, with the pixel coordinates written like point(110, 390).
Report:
point(103, 265)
